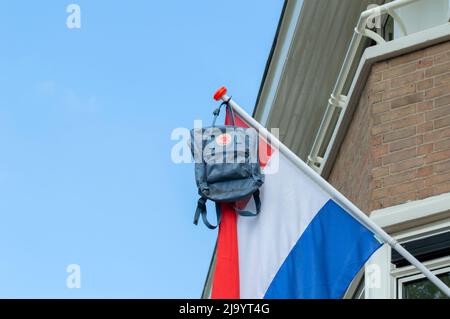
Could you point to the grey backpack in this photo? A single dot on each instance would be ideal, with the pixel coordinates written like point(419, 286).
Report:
point(227, 167)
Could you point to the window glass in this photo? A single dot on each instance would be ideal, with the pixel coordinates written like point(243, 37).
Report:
point(359, 293)
point(424, 289)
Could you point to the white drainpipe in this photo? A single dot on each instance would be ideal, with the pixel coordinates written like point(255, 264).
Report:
point(337, 99)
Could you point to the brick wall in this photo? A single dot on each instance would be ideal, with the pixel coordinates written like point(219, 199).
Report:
point(397, 148)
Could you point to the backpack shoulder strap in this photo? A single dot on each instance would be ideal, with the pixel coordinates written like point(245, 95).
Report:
point(247, 213)
point(201, 210)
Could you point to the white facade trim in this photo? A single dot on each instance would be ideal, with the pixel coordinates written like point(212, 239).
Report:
point(411, 214)
point(275, 74)
point(432, 264)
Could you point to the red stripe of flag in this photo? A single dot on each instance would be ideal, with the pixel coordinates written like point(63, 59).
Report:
point(226, 274)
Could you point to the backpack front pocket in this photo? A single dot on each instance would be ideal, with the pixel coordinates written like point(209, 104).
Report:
point(226, 171)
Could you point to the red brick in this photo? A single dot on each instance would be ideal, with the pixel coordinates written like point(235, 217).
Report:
point(381, 86)
point(440, 112)
point(425, 127)
point(437, 156)
point(437, 179)
point(437, 69)
point(398, 134)
point(398, 113)
point(407, 79)
point(380, 150)
point(424, 193)
point(399, 199)
point(406, 100)
point(383, 128)
point(375, 77)
point(437, 91)
point(408, 121)
point(425, 171)
point(436, 135)
point(424, 106)
point(380, 193)
point(381, 107)
point(425, 63)
point(442, 145)
point(411, 186)
point(442, 167)
point(438, 48)
point(376, 140)
point(380, 172)
point(406, 58)
point(442, 188)
point(401, 91)
point(399, 156)
point(405, 143)
point(375, 184)
point(406, 164)
point(442, 122)
point(425, 149)
point(425, 84)
point(375, 98)
point(377, 162)
point(398, 142)
point(445, 100)
point(442, 79)
point(379, 66)
point(441, 58)
point(400, 178)
point(399, 70)
point(374, 205)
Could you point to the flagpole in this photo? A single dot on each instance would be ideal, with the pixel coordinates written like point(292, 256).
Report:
point(336, 195)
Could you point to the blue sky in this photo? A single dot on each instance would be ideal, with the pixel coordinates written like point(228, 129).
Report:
point(86, 117)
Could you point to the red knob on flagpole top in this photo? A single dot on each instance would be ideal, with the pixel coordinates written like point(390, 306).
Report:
point(219, 93)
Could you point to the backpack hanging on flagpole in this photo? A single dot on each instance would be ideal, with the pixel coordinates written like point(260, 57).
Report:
point(227, 167)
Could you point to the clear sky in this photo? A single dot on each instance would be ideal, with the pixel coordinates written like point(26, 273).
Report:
point(86, 117)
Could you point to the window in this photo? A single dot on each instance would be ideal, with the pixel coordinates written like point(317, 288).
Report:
point(356, 288)
point(418, 287)
point(434, 249)
point(359, 293)
point(387, 30)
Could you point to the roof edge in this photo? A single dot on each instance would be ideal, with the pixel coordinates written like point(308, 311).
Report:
point(269, 59)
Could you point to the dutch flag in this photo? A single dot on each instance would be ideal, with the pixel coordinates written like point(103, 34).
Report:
point(301, 245)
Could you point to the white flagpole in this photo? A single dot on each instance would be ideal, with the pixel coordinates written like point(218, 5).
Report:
point(335, 194)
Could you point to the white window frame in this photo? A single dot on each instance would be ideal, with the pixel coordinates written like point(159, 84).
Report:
point(448, 14)
point(406, 222)
point(409, 274)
